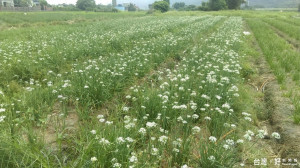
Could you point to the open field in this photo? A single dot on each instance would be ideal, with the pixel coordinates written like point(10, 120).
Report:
point(181, 89)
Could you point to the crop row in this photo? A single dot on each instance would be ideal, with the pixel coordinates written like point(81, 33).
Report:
point(180, 117)
point(290, 29)
point(283, 59)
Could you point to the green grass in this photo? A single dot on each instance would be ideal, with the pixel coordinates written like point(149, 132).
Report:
point(281, 56)
point(290, 29)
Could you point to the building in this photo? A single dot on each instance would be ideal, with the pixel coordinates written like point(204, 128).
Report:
point(120, 7)
point(36, 2)
point(7, 3)
point(123, 7)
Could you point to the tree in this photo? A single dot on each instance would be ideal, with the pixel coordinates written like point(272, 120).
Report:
point(178, 5)
point(162, 6)
point(17, 3)
point(24, 3)
point(131, 7)
point(217, 5)
point(191, 8)
point(86, 4)
point(234, 4)
point(204, 6)
point(168, 1)
point(43, 4)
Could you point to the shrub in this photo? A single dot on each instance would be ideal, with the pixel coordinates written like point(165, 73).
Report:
point(217, 5)
point(162, 6)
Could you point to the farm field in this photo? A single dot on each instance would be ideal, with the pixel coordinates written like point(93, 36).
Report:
point(181, 89)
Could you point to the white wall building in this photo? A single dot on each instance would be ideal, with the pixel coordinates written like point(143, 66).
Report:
point(7, 3)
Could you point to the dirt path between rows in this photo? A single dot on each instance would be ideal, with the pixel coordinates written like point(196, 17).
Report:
point(279, 110)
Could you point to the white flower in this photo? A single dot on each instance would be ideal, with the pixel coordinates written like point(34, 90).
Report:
point(2, 118)
point(185, 166)
point(248, 137)
point(117, 165)
point(240, 141)
point(101, 120)
point(212, 139)
point(211, 158)
point(125, 109)
point(49, 83)
point(195, 116)
point(150, 124)
point(128, 139)
point(248, 118)
point(236, 95)
point(246, 114)
point(163, 139)
point(86, 86)
point(193, 93)
point(103, 141)
point(176, 150)
point(226, 146)
point(261, 134)
point(226, 105)
point(179, 119)
point(196, 130)
point(142, 131)
point(276, 135)
point(133, 159)
point(2, 110)
point(205, 97)
point(114, 160)
point(246, 33)
point(109, 122)
point(93, 132)
point(120, 140)
point(94, 159)
point(154, 151)
point(218, 97)
point(207, 118)
point(130, 125)
point(230, 142)
point(100, 116)
point(250, 133)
